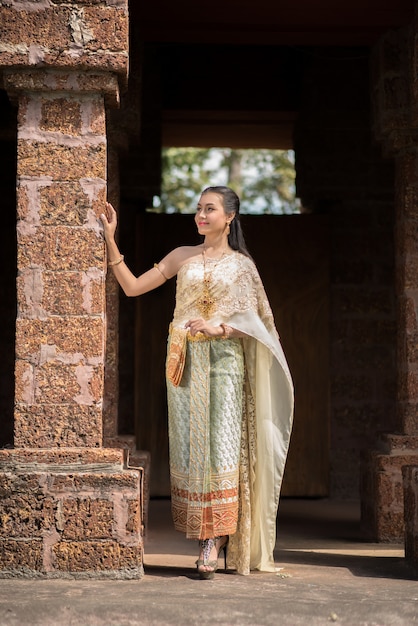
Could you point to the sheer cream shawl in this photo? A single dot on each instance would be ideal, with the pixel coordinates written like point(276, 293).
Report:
point(241, 302)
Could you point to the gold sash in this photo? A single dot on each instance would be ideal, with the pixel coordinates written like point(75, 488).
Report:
point(176, 357)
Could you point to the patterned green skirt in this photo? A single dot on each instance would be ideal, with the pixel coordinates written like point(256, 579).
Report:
point(205, 420)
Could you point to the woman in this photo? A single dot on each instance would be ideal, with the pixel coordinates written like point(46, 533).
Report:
point(230, 394)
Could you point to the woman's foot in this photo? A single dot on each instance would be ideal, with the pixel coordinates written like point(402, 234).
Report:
point(207, 563)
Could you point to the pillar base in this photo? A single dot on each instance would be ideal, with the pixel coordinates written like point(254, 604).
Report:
point(381, 489)
point(410, 485)
point(69, 513)
point(135, 459)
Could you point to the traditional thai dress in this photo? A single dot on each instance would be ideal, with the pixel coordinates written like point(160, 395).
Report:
point(230, 407)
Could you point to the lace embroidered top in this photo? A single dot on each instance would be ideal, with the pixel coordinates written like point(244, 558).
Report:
point(234, 285)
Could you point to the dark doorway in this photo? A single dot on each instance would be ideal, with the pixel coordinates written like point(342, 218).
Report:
point(292, 255)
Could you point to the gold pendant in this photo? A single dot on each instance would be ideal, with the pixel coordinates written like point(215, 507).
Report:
point(206, 303)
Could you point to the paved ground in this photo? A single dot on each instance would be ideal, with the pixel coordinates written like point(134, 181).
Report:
point(326, 575)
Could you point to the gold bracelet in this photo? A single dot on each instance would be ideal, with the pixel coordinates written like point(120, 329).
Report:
point(119, 260)
point(227, 331)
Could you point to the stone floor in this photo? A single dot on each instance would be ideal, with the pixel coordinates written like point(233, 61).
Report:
point(325, 574)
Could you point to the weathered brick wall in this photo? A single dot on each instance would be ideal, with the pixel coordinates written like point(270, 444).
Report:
point(410, 490)
point(67, 514)
point(394, 123)
point(68, 506)
point(74, 34)
point(341, 172)
point(60, 286)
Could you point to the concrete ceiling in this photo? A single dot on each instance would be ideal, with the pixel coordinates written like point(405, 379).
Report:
point(235, 47)
point(280, 22)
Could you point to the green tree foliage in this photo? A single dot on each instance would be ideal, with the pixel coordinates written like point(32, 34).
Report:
point(184, 174)
point(264, 179)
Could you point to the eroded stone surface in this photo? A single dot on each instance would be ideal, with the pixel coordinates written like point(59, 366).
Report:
point(70, 522)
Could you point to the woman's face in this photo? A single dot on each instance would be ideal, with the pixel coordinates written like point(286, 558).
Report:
point(210, 215)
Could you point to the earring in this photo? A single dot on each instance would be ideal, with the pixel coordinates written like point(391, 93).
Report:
point(227, 228)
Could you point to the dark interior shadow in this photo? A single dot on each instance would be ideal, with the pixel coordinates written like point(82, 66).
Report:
point(316, 533)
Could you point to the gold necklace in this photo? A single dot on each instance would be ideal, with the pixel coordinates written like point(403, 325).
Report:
point(207, 303)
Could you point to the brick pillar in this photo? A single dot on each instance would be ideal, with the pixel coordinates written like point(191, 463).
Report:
point(410, 486)
point(395, 126)
point(68, 505)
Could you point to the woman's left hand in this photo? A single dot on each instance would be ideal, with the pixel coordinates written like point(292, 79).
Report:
point(110, 221)
point(199, 325)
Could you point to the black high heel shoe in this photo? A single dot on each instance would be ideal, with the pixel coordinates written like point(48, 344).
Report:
point(206, 547)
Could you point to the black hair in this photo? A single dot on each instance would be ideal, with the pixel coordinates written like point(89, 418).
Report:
point(231, 203)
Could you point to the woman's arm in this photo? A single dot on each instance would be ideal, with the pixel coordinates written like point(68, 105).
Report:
point(131, 284)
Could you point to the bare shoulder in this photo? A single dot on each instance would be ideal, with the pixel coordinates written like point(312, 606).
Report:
point(184, 253)
point(178, 257)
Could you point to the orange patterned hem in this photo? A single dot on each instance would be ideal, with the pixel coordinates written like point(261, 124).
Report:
point(203, 522)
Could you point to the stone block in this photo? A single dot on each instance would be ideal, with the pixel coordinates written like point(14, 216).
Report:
point(408, 386)
point(382, 492)
point(409, 205)
point(72, 82)
point(142, 459)
point(60, 293)
point(72, 519)
point(96, 118)
point(85, 380)
point(61, 115)
point(408, 416)
point(395, 101)
point(86, 518)
point(58, 425)
point(41, 28)
point(64, 204)
point(17, 556)
point(25, 510)
point(406, 234)
point(64, 460)
point(126, 442)
point(98, 556)
point(410, 270)
point(407, 165)
point(24, 382)
point(69, 35)
point(411, 348)
point(109, 27)
point(410, 486)
point(78, 338)
point(61, 248)
point(22, 205)
point(133, 523)
point(408, 314)
point(82, 482)
point(56, 383)
point(60, 162)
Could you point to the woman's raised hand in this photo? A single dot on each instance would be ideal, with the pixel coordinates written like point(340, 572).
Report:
point(110, 221)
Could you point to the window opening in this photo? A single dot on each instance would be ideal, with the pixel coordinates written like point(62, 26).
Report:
point(264, 179)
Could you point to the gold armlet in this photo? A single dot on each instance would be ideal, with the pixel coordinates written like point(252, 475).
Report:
point(157, 268)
